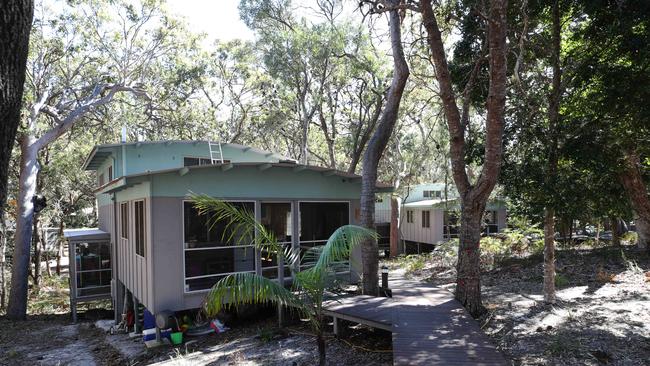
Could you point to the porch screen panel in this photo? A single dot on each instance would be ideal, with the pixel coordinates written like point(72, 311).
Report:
point(92, 268)
point(318, 221)
point(212, 252)
point(276, 218)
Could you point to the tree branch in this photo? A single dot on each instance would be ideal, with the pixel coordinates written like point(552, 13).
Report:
point(93, 101)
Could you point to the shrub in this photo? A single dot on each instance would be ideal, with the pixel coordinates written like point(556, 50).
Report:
point(560, 280)
point(494, 250)
point(630, 237)
point(446, 253)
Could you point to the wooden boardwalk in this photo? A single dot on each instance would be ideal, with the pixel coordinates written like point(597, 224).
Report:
point(429, 326)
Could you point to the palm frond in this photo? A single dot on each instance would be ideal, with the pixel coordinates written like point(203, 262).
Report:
point(248, 288)
point(340, 244)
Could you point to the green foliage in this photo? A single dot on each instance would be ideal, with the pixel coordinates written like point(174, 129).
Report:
point(630, 237)
point(266, 334)
point(412, 262)
point(561, 280)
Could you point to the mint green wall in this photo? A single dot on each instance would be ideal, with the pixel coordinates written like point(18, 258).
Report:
point(137, 191)
point(103, 168)
point(103, 199)
point(244, 182)
point(159, 156)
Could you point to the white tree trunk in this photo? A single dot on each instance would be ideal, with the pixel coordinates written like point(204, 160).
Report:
point(24, 220)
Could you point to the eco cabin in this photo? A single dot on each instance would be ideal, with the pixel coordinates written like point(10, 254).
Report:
point(163, 252)
point(430, 213)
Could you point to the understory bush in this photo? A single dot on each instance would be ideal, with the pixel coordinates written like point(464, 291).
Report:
point(630, 237)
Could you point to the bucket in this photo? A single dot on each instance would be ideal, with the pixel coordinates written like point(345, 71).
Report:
point(177, 338)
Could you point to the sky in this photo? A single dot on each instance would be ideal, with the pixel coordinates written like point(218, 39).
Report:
point(219, 19)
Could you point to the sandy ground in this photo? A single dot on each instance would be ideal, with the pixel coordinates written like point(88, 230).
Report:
point(602, 316)
point(53, 340)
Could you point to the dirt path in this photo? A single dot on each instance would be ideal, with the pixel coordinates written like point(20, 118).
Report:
point(53, 340)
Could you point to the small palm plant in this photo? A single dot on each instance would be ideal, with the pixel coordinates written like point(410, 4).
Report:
point(309, 287)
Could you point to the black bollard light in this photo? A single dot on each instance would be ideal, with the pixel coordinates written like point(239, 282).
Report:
point(384, 277)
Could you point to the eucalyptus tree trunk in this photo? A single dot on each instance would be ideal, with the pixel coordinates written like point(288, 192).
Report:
point(553, 117)
point(473, 196)
point(29, 169)
point(15, 24)
point(36, 242)
point(375, 149)
point(635, 187)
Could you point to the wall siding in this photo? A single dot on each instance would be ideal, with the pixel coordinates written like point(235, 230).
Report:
point(134, 271)
point(434, 234)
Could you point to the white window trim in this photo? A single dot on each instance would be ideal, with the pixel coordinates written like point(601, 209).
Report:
point(144, 228)
point(128, 217)
point(428, 221)
point(184, 244)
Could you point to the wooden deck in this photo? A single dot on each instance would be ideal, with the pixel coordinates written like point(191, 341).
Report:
point(429, 326)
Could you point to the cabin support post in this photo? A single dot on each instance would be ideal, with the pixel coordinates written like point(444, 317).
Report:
point(136, 316)
point(394, 230)
point(337, 324)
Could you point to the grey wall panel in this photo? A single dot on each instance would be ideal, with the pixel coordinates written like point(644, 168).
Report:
point(167, 244)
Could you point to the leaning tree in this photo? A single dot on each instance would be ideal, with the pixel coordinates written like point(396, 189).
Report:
point(80, 60)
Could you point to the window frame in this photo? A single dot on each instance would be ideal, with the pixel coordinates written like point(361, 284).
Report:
point(426, 219)
point(283, 243)
point(143, 230)
point(185, 249)
point(124, 220)
point(202, 158)
point(409, 216)
point(110, 173)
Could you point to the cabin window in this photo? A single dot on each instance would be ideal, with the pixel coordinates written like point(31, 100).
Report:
point(432, 194)
point(426, 218)
point(213, 250)
point(318, 221)
point(100, 180)
point(450, 224)
point(124, 220)
point(140, 227)
point(409, 216)
point(191, 161)
point(110, 173)
point(490, 223)
point(277, 219)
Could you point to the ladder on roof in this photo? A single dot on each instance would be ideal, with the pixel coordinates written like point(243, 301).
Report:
point(216, 154)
